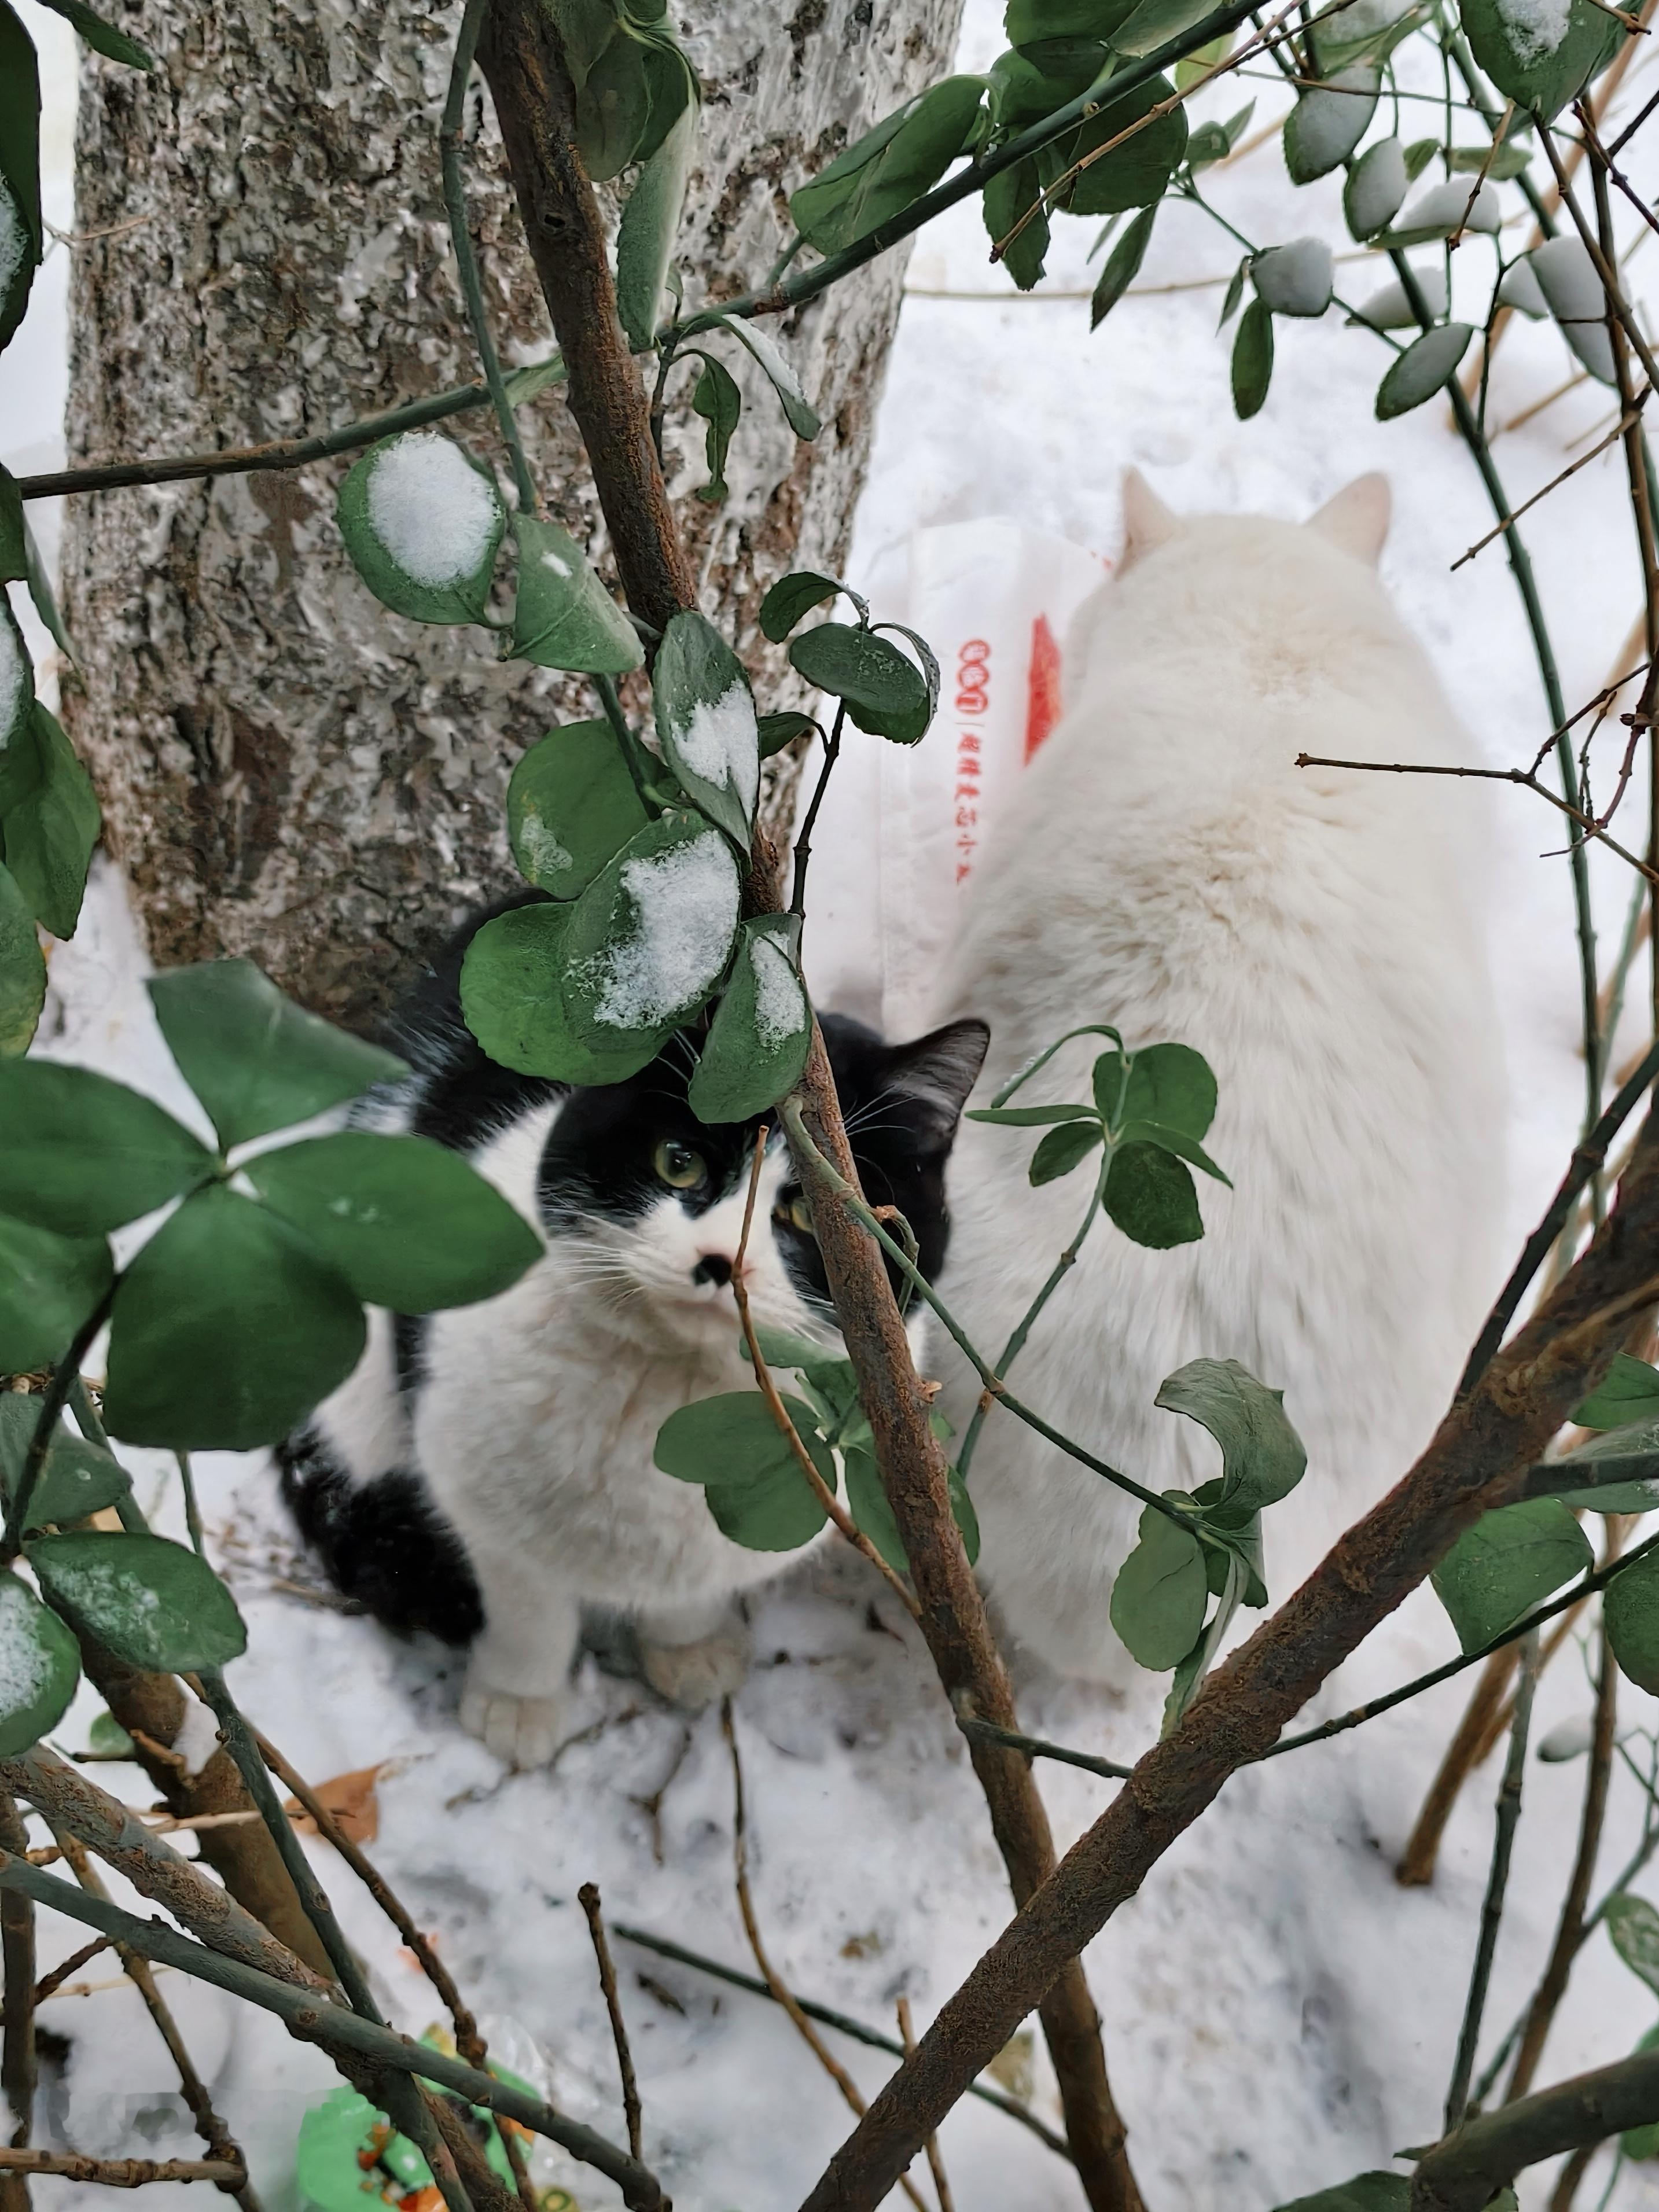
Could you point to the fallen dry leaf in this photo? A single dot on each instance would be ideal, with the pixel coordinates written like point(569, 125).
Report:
point(350, 1798)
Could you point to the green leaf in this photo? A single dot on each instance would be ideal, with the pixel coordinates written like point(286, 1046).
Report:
point(83, 1154)
point(1262, 1458)
point(781, 1347)
point(50, 832)
point(40, 1668)
point(1122, 266)
point(1530, 62)
point(754, 1484)
point(650, 937)
point(867, 1501)
point(777, 730)
point(1634, 1927)
point(571, 807)
point(1029, 1117)
point(22, 970)
point(885, 692)
point(716, 398)
point(150, 1601)
point(77, 1478)
point(1235, 293)
point(1150, 1195)
point(40, 592)
point(792, 598)
point(705, 723)
point(1028, 84)
point(1161, 1593)
point(13, 560)
point(422, 521)
point(1007, 196)
point(409, 1225)
point(20, 765)
point(962, 1513)
point(650, 224)
point(1419, 154)
point(1375, 2191)
point(1616, 1472)
point(1253, 361)
point(512, 999)
point(1169, 1084)
point(1134, 174)
point(1630, 1392)
point(1033, 22)
point(1064, 1149)
point(798, 412)
point(1198, 65)
point(563, 616)
point(227, 1329)
point(1325, 125)
point(762, 1031)
point(19, 168)
point(256, 1061)
point(1506, 1563)
point(613, 106)
point(881, 173)
point(1154, 22)
point(1425, 367)
point(1630, 1608)
point(1207, 143)
point(1502, 167)
point(49, 1285)
point(103, 38)
point(1172, 1141)
point(1376, 184)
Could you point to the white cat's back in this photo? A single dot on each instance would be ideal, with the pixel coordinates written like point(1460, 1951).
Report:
point(1316, 934)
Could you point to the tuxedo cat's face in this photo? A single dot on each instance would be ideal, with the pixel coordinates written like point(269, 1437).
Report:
point(646, 1203)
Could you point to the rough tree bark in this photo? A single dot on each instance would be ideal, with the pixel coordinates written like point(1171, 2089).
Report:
point(287, 769)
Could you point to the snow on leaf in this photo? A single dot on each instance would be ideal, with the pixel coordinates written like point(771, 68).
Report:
point(718, 743)
point(685, 907)
point(435, 514)
point(1536, 27)
point(1295, 279)
point(779, 1003)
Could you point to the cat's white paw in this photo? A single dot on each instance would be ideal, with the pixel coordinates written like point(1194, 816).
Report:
point(523, 1732)
point(693, 1675)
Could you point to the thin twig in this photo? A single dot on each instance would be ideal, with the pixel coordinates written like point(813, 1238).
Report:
point(935, 2163)
point(49, 1985)
point(1555, 482)
point(17, 2064)
point(1417, 1862)
point(1035, 1747)
point(123, 2172)
point(589, 1898)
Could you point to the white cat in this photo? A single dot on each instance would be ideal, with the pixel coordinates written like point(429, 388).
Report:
point(1316, 934)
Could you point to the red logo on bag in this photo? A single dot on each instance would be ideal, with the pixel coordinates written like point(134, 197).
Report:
point(1042, 697)
point(973, 677)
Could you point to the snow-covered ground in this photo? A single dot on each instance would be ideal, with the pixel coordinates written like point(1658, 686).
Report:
point(1278, 2014)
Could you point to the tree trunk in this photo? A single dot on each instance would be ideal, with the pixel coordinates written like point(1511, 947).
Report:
point(288, 770)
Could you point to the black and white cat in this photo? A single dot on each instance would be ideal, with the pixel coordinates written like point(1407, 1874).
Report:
point(486, 1471)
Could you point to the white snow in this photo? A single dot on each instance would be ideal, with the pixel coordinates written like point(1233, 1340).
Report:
point(1456, 203)
point(1567, 277)
point(14, 686)
point(1387, 307)
point(431, 509)
point(1536, 27)
point(1331, 124)
point(1522, 290)
point(555, 562)
point(780, 1002)
point(1377, 187)
point(24, 1663)
point(721, 744)
point(546, 855)
point(1295, 279)
point(685, 909)
point(198, 1735)
point(14, 236)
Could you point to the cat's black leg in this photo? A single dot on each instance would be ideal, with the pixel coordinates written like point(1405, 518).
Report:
point(383, 1543)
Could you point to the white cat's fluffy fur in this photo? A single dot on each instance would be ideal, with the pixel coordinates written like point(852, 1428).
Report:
point(1316, 934)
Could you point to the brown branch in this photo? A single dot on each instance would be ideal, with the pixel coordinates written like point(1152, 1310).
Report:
point(17, 2066)
point(589, 1898)
point(120, 2172)
point(1478, 1460)
point(935, 2162)
point(1567, 2181)
point(1618, 306)
point(1464, 2173)
point(1619, 429)
point(49, 1985)
point(1417, 1863)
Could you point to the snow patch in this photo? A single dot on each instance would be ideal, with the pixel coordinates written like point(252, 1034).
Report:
point(25, 1665)
point(430, 509)
point(1453, 206)
point(1295, 279)
point(1566, 276)
point(547, 857)
point(1536, 27)
point(780, 1002)
point(1388, 309)
point(16, 683)
point(685, 903)
point(198, 1735)
point(719, 744)
point(1330, 125)
point(550, 560)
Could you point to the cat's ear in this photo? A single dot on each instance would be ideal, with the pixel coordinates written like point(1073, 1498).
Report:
point(1147, 523)
point(937, 1072)
point(1356, 518)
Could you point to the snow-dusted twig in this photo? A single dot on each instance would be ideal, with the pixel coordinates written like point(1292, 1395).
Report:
point(589, 1898)
point(122, 2172)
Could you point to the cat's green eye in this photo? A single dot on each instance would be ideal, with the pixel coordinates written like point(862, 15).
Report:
point(794, 1213)
point(679, 1166)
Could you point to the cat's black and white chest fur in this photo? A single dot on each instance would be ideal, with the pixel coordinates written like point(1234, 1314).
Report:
point(487, 1470)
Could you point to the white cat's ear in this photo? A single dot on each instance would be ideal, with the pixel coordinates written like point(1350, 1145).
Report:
point(937, 1071)
point(1356, 518)
point(1147, 523)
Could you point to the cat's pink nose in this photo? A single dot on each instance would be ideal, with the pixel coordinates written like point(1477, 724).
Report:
point(712, 1267)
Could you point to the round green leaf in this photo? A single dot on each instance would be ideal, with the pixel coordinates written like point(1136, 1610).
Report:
point(1169, 1084)
point(409, 1224)
point(885, 692)
point(563, 616)
point(512, 1000)
point(49, 1285)
point(1135, 174)
point(873, 1516)
point(22, 970)
point(256, 1061)
point(1154, 22)
point(1161, 1593)
point(650, 937)
point(1325, 126)
point(1262, 1458)
point(705, 723)
point(39, 1667)
point(1633, 1926)
point(150, 1601)
point(777, 730)
point(755, 1489)
point(571, 806)
point(81, 1154)
point(1506, 1563)
point(77, 1478)
point(19, 170)
point(226, 1330)
point(422, 521)
point(1536, 59)
point(50, 832)
point(1630, 1609)
point(791, 599)
point(1150, 1195)
point(880, 174)
point(1063, 1148)
point(1253, 361)
point(19, 769)
point(1426, 366)
point(1376, 186)
point(1629, 1393)
point(762, 1031)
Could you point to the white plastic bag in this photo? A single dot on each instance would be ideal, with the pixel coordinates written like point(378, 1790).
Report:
point(902, 825)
